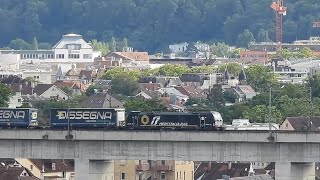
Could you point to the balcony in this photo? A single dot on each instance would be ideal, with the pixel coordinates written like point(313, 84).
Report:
point(163, 167)
point(143, 167)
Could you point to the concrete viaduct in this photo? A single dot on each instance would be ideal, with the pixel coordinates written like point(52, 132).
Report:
point(294, 152)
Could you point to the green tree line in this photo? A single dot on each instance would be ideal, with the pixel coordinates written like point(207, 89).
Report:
point(153, 24)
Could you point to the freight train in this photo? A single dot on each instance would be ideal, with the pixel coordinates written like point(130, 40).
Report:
point(111, 118)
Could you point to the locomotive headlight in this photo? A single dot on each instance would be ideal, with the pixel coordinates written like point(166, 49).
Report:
point(34, 115)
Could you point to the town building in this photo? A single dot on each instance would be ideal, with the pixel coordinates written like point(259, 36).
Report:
point(49, 169)
point(313, 43)
point(71, 48)
point(254, 57)
point(287, 73)
point(160, 170)
point(301, 123)
point(127, 59)
point(21, 92)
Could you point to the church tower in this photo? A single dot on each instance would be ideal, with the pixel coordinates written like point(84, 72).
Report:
point(226, 76)
point(242, 77)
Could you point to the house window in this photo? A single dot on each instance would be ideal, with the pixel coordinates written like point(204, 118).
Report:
point(163, 176)
point(287, 125)
point(19, 100)
point(53, 166)
point(31, 167)
point(74, 56)
point(163, 162)
point(123, 176)
point(87, 56)
point(184, 175)
point(60, 56)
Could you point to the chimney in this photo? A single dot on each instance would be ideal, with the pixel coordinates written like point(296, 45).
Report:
point(20, 87)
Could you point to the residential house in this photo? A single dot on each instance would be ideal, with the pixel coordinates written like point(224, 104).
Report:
point(102, 84)
point(301, 123)
point(107, 62)
point(88, 76)
point(101, 100)
point(73, 74)
point(164, 81)
point(49, 169)
point(128, 59)
point(149, 94)
point(191, 92)
point(71, 87)
point(254, 57)
point(16, 173)
point(238, 87)
point(162, 170)
point(201, 80)
point(47, 91)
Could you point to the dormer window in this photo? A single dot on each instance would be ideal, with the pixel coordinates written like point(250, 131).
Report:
point(73, 46)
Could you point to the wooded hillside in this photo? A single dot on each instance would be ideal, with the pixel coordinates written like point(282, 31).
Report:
point(152, 24)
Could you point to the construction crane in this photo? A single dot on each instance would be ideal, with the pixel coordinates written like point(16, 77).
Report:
point(280, 12)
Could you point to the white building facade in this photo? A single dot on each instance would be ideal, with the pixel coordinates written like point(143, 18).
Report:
point(71, 48)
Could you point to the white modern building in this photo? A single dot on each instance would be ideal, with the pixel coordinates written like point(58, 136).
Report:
point(71, 48)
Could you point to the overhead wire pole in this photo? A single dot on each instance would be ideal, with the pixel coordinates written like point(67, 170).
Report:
point(311, 109)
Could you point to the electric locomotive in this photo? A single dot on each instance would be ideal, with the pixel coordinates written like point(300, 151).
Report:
point(175, 120)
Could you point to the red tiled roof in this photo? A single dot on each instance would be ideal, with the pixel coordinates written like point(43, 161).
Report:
point(88, 74)
point(71, 84)
point(137, 56)
point(190, 91)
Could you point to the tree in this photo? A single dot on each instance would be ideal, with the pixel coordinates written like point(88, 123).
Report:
point(263, 36)
point(124, 43)
point(233, 68)
point(113, 44)
point(45, 46)
point(5, 94)
point(305, 53)
point(260, 78)
point(245, 38)
point(260, 114)
point(221, 50)
point(120, 71)
point(314, 84)
point(124, 85)
point(144, 105)
point(100, 46)
point(34, 44)
point(286, 54)
point(173, 70)
point(203, 69)
point(216, 97)
point(19, 44)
